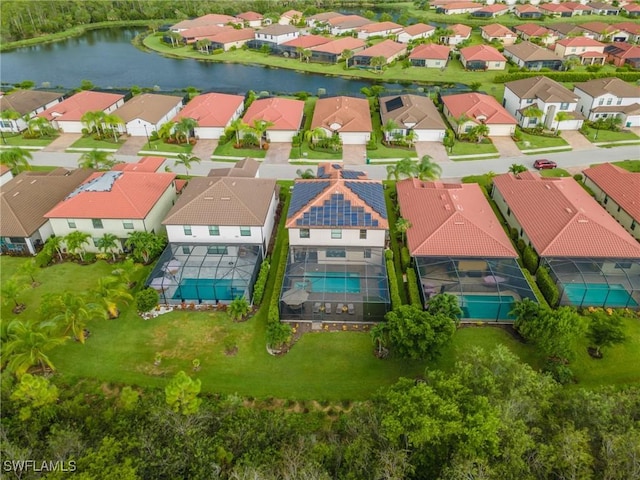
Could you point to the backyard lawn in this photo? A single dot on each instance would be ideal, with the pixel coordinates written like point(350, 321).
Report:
point(601, 136)
point(531, 142)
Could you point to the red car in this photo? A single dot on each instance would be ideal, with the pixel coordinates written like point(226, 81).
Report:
point(542, 164)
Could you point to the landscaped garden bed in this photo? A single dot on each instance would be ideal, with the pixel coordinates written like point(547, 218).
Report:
point(530, 141)
point(603, 136)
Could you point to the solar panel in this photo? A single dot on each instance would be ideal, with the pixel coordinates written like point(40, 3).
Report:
point(371, 193)
point(394, 104)
point(303, 193)
point(321, 173)
point(337, 212)
point(351, 174)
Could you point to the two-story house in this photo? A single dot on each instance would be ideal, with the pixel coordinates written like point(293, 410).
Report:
point(276, 34)
point(609, 97)
point(587, 50)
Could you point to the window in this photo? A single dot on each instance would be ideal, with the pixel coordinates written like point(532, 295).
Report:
point(606, 200)
point(71, 223)
point(619, 102)
point(564, 106)
point(498, 64)
point(186, 250)
point(623, 265)
point(217, 250)
point(467, 129)
point(341, 253)
point(363, 234)
point(305, 233)
point(529, 101)
point(245, 231)
point(533, 120)
point(5, 124)
point(187, 229)
point(367, 253)
point(633, 225)
point(214, 230)
point(127, 224)
point(601, 101)
point(437, 63)
point(508, 212)
point(336, 233)
point(97, 223)
point(609, 101)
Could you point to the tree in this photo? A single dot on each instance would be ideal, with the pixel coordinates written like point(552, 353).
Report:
point(238, 309)
point(478, 132)
point(278, 334)
point(113, 122)
point(260, 127)
point(605, 330)
point(532, 111)
point(185, 127)
point(516, 168)
point(96, 160)
point(108, 292)
point(166, 130)
point(181, 394)
point(29, 268)
point(127, 271)
point(26, 346)
point(16, 159)
point(378, 335)
point(388, 128)
point(71, 312)
point(315, 135)
point(109, 243)
point(449, 140)
point(147, 299)
point(403, 168)
point(186, 159)
point(34, 392)
point(402, 225)
point(427, 169)
point(40, 125)
point(445, 304)
point(561, 117)
point(93, 120)
point(415, 334)
point(76, 242)
point(145, 245)
point(378, 63)
point(11, 115)
point(305, 174)
point(347, 54)
point(53, 246)
point(237, 126)
point(11, 290)
point(306, 54)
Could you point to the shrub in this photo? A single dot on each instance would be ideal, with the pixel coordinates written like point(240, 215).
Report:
point(414, 289)
point(514, 234)
point(44, 258)
point(278, 334)
point(302, 95)
point(530, 259)
point(405, 258)
point(520, 245)
point(394, 291)
point(218, 51)
point(261, 282)
point(578, 177)
point(147, 299)
point(388, 254)
point(547, 286)
point(560, 372)
point(567, 76)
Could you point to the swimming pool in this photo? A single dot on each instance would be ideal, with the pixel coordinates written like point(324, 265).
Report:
point(487, 307)
point(192, 289)
point(333, 282)
point(599, 295)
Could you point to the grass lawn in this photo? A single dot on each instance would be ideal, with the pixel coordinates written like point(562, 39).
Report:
point(554, 172)
point(16, 140)
point(630, 165)
point(90, 142)
point(383, 151)
point(608, 136)
point(530, 142)
point(467, 148)
point(162, 146)
point(486, 180)
point(227, 150)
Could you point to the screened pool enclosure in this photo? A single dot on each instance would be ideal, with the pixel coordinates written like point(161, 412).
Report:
point(205, 274)
point(335, 284)
point(486, 287)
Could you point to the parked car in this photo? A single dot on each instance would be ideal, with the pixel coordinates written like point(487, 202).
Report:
point(543, 163)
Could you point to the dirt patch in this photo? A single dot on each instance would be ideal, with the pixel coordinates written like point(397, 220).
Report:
point(231, 352)
point(18, 309)
point(594, 353)
point(153, 370)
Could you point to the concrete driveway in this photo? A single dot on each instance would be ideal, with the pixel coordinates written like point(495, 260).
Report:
point(506, 146)
point(133, 145)
point(435, 150)
point(64, 141)
point(354, 154)
point(278, 153)
point(204, 148)
point(576, 140)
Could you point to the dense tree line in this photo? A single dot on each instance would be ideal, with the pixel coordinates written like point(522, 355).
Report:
point(491, 417)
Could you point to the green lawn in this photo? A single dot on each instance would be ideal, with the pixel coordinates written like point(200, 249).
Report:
point(17, 140)
point(162, 146)
point(630, 165)
point(227, 150)
point(90, 142)
point(383, 151)
point(600, 136)
point(530, 142)
point(467, 148)
point(554, 172)
point(304, 151)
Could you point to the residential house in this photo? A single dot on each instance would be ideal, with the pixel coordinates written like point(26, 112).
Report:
point(192, 35)
point(467, 110)
point(378, 29)
point(587, 253)
point(321, 19)
point(415, 32)
point(346, 24)
point(28, 103)
point(145, 113)
point(214, 112)
point(276, 34)
point(602, 8)
point(532, 57)
point(537, 33)
point(5, 174)
point(388, 49)
point(498, 33)
point(564, 30)
point(331, 51)
point(609, 97)
point(527, 11)
point(246, 168)
point(482, 57)
point(604, 32)
point(285, 114)
point(251, 19)
point(587, 50)
point(522, 97)
point(217, 239)
point(491, 11)
point(430, 55)
point(204, 21)
point(115, 202)
point(289, 17)
point(457, 33)
point(555, 10)
point(618, 191)
point(622, 53)
point(290, 48)
point(347, 117)
point(459, 247)
point(578, 8)
point(457, 8)
point(67, 115)
point(338, 228)
point(631, 9)
point(412, 113)
point(632, 29)
point(231, 38)
point(24, 201)
point(145, 164)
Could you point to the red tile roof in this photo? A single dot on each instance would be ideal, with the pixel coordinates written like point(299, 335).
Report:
point(132, 195)
point(631, 7)
point(625, 50)
point(291, 14)
point(497, 30)
point(462, 6)
point(580, 42)
point(562, 220)
point(209, 19)
point(554, 8)
point(527, 9)
point(532, 29)
point(629, 27)
point(74, 107)
point(386, 48)
point(430, 51)
point(451, 219)
point(495, 8)
point(619, 184)
point(145, 164)
point(482, 52)
point(193, 34)
point(4, 169)
point(211, 109)
point(379, 27)
point(418, 28)
point(307, 41)
point(250, 16)
point(285, 113)
point(342, 114)
point(340, 45)
point(577, 6)
point(231, 35)
point(460, 30)
point(476, 105)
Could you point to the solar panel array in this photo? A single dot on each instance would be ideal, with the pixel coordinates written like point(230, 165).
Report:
point(351, 174)
point(371, 193)
point(394, 104)
point(321, 173)
point(337, 212)
point(303, 192)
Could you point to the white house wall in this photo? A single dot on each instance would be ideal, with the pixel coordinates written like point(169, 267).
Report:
point(200, 234)
point(355, 138)
point(350, 238)
point(406, 38)
point(154, 218)
point(114, 226)
point(281, 136)
point(430, 135)
point(623, 218)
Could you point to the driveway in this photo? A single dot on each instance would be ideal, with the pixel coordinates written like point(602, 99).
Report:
point(435, 150)
point(204, 148)
point(506, 146)
point(577, 140)
point(133, 145)
point(278, 153)
point(64, 141)
point(354, 154)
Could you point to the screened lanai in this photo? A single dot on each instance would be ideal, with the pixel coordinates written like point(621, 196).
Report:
point(608, 282)
point(346, 284)
point(486, 287)
point(208, 274)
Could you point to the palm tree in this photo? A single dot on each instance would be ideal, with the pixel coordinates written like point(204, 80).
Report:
point(449, 140)
point(113, 121)
point(389, 126)
point(40, 125)
point(237, 126)
point(12, 116)
point(11, 290)
point(402, 225)
point(109, 243)
point(238, 308)
point(109, 291)
point(378, 63)
point(561, 117)
point(93, 120)
point(145, 245)
point(26, 346)
point(305, 174)
point(403, 168)
point(76, 241)
point(29, 268)
point(260, 127)
point(53, 245)
point(185, 126)
point(175, 38)
point(165, 131)
point(97, 160)
point(306, 54)
point(186, 159)
point(71, 312)
point(378, 334)
point(532, 112)
point(16, 159)
point(127, 272)
point(516, 168)
point(316, 134)
point(347, 54)
point(427, 169)
point(411, 137)
point(299, 51)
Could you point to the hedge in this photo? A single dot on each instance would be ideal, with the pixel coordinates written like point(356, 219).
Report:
point(394, 291)
point(547, 286)
point(261, 282)
point(274, 312)
point(530, 259)
point(405, 258)
point(568, 76)
point(414, 291)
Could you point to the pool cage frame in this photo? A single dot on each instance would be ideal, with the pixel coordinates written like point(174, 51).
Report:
point(221, 273)
point(488, 277)
point(310, 268)
point(591, 273)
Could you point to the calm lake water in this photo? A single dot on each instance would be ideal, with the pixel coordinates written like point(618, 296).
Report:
point(107, 58)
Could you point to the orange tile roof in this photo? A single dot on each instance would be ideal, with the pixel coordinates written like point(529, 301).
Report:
point(337, 21)
point(526, 8)
point(430, 51)
point(631, 7)
point(619, 184)
point(73, 108)
point(292, 14)
point(4, 169)
point(342, 114)
point(307, 41)
point(460, 30)
point(233, 35)
point(451, 220)
point(203, 31)
point(285, 113)
point(629, 27)
point(462, 5)
point(476, 105)
point(250, 16)
point(482, 52)
point(131, 195)
point(418, 28)
point(209, 19)
point(554, 8)
point(495, 8)
point(497, 30)
point(562, 220)
point(145, 164)
point(379, 27)
point(532, 29)
point(211, 109)
point(340, 45)
point(386, 48)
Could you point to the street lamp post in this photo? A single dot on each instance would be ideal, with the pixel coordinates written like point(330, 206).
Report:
point(147, 134)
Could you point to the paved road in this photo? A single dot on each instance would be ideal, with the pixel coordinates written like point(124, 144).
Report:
point(450, 170)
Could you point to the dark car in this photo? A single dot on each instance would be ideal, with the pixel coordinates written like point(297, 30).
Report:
point(542, 164)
